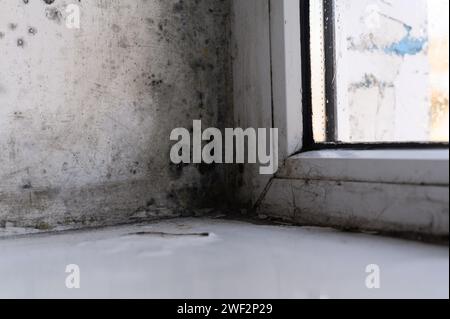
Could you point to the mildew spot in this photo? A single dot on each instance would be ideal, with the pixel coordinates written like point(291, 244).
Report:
point(32, 30)
point(12, 26)
point(116, 28)
point(27, 186)
point(178, 7)
point(53, 14)
point(20, 43)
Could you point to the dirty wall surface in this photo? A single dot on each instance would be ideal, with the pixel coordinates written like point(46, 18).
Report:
point(86, 114)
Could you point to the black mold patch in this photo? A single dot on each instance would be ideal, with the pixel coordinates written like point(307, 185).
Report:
point(204, 168)
point(116, 28)
point(32, 30)
point(27, 186)
point(178, 7)
point(176, 170)
point(12, 26)
point(53, 14)
point(20, 43)
point(197, 84)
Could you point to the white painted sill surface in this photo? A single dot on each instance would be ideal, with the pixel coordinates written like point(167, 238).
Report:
point(413, 167)
point(237, 260)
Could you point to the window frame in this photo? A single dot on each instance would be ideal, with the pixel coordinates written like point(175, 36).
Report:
point(342, 186)
point(286, 85)
point(309, 144)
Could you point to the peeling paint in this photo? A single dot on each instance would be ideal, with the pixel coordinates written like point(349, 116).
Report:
point(407, 45)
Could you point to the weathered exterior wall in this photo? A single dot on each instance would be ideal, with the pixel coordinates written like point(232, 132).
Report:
point(387, 55)
point(86, 114)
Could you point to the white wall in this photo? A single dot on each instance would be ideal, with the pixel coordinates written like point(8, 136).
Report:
point(85, 114)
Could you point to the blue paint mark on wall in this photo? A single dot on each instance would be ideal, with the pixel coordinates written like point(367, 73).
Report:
point(408, 45)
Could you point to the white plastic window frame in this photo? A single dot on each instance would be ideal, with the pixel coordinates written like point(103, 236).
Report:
point(414, 166)
point(422, 172)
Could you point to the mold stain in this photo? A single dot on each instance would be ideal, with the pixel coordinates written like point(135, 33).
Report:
point(20, 43)
point(32, 31)
point(12, 26)
point(178, 7)
point(53, 14)
point(182, 24)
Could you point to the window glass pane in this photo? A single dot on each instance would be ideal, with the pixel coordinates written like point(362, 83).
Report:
point(318, 70)
point(391, 70)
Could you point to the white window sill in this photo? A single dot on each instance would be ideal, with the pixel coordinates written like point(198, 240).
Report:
point(415, 167)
